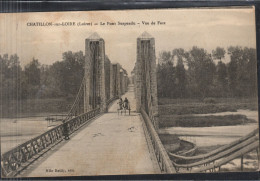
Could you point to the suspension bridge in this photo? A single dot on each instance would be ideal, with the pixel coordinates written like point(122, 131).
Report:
point(103, 141)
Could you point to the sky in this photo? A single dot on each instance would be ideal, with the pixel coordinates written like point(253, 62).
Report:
point(183, 28)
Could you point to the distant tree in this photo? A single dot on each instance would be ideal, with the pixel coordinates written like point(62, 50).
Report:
point(165, 57)
point(33, 72)
point(44, 91)
point(32, 75)
point(222, 79)
point(196, 75)
point(251, 71)
point(73, 71)
point(232, 77)
point(180, 73)
point(4, 63)
point(55, 79)
point(219, 53)
point(180, 78)
point(10, 72)
point(160, 84)
point(15, 71)
point(63, 78)
point(165, 80)
point(246, 71)
point(202, 69)
point(179, 53)
point(238, 75)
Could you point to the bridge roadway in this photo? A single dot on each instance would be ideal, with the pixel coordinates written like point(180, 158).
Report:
point(111, 144)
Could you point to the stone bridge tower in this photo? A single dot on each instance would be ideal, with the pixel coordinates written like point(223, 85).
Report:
point(145, 76)
point(94, 93)
point(116, 91)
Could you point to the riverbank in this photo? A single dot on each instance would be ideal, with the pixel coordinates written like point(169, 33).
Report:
point(210, 136)
point(196, 113)
point(203, 121)
point(194, 106)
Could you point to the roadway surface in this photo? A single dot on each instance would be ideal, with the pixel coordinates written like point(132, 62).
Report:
point(110, 145)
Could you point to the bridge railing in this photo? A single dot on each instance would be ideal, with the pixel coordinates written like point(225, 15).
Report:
point(111, 100)
point(18, 158)
point(216, 151)
point(239, 153)
point(223, 155)
point(160, 152)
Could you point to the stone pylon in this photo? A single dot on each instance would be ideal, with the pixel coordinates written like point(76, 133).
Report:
point(107, 77)
point(145, 75)
point(111, 81)
point(122, 86)
point(94, 94)
point(116, 80)
point(126, 82)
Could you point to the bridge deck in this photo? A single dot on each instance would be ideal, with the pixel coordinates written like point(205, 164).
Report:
point(111, 144)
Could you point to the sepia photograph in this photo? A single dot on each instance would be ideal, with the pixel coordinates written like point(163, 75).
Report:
point(128, 92)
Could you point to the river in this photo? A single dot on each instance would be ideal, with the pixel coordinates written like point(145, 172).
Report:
point(220, 135)
point(14, 131)
point(216, 135)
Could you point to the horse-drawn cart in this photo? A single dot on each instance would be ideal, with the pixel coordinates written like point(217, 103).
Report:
point(123, 107)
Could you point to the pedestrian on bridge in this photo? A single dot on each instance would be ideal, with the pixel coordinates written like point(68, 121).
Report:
point(65, 130)
point(126, 103)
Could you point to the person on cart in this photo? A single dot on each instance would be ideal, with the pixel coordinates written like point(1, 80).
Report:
point(120, 103)
point(126, 103)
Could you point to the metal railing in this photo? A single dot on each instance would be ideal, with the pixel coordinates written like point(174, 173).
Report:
point(237, 154)
point(216, 151)
point(18, 158)
point(111, 100)
point(161, 155)
point(55, 119)
point(223, 156)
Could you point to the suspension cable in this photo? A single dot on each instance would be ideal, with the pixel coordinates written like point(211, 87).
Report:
point(76, 102)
